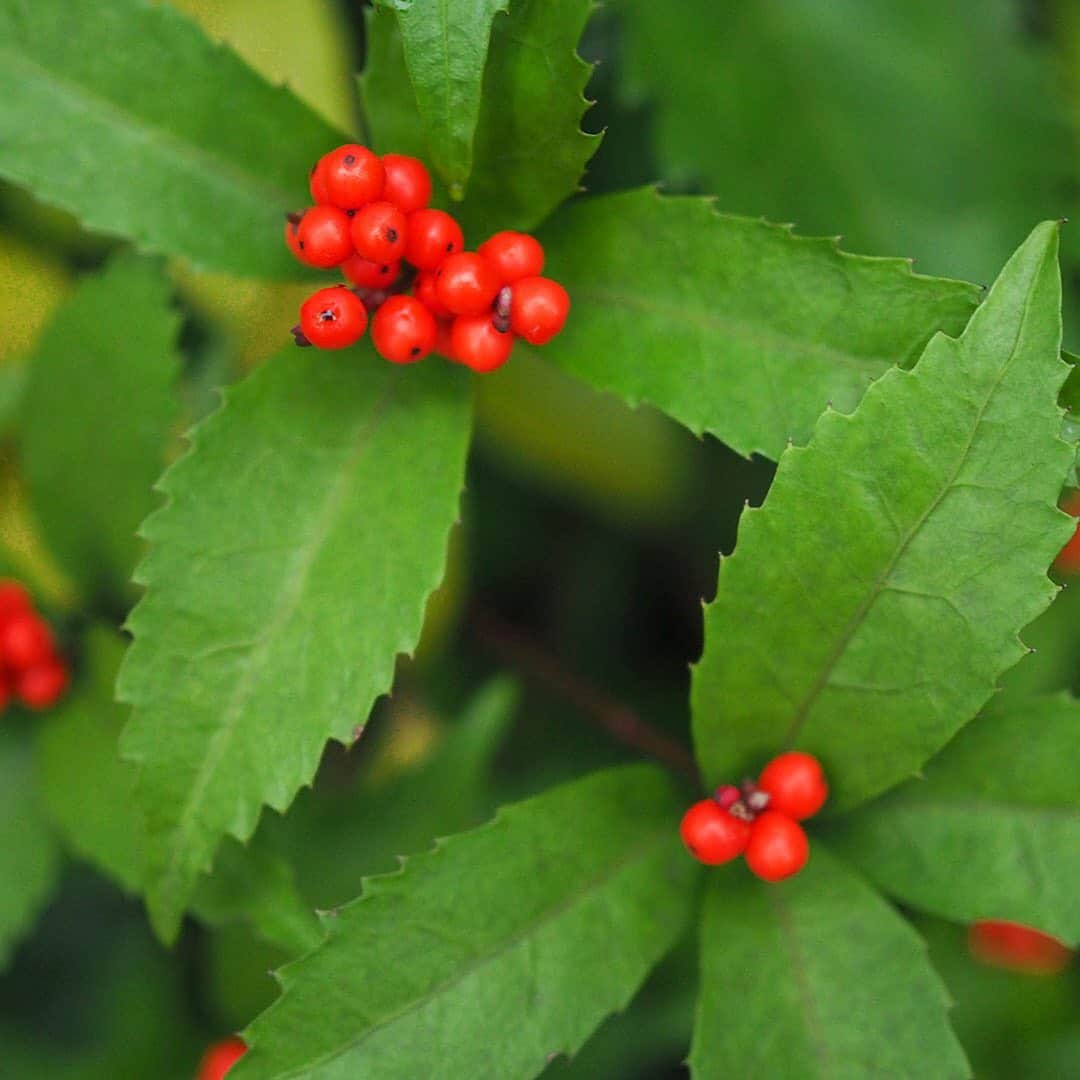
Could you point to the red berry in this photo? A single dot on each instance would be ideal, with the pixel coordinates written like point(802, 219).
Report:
point(25, 640)
point(727, 796)
point(407, 184)
point(424, 290)
point(795, 784)
point(378, 232)
point(292, 241)
point(14, 599)
point(712, 835)
point(353, 176)
point(476, 343)
point(1017, 947)
point(513, 255)
point(443, 344)
point(323, 237)
point(220, 1058)
point(778, 846)
point(433, 234)
point(333, 318)
point(538, 309)
point(466, 284)
point(403, 330)
point(317, 184)
point(40, 686)
point(368, 274)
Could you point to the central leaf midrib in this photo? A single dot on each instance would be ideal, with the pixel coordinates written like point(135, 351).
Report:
point(660, 833)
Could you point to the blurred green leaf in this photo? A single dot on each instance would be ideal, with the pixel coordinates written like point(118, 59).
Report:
point(125, 114)
point(874, 600)
point(445, 46)
point(304, 530)
point(816, 977)
point(731, 326)
point(920, 128)
point(502, 947)
point(29, 865)
point(999, 802)
point(12, 381)
point(96, 414)
point(529, 150)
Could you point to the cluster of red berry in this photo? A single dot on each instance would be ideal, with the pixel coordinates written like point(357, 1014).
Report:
point(760, 820)
point(220, 1058)
point(31, 669)
point(371, 218)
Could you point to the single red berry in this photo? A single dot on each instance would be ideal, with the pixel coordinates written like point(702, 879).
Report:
point(370, 275)
point(1017, 947)
point(323, 237)
point(378, 232)
point(476, 343)
point(538, 309)
point(424, 290)
point(403, 330)
point(726, 796)
point(466, 283)
point(778, 846)
point(433, 234)
point(353, 176)
point(317, 184)
point(333, 318)
point(795, 784)
point(712, 835)
point(220, 1058)
point(14, 599)
point(25, 640)
point(513, 255)
point(407, 184)
point(40, 686)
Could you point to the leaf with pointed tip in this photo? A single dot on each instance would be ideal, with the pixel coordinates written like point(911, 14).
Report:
point(529, 151)
point(29, 862)
point(125, 114)
point(731, 326)
point(1000, 802)
point(304, 530)
point(826, 981)
point(874, 599)
point(496, 951)
point(100, 392)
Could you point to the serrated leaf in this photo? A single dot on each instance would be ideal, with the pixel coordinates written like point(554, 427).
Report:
point(816, 978)
point(89, 794)
point(875, 598)
point(96, 413)
point(733, 327)
point(29, 862)
point(445, 46)
point(529, 151)
point(303, 532)
point(496, 951)
point(1000, 801)
point(123, 113)
point(827, 115)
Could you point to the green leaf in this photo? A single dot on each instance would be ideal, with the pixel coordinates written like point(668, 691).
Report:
point(828, 115)
point(90, 796)
point(875, 598)
point(529, 151)
point(123, 113)
point(731, 326)
point(816, 978)
point(303, 533)
point(12, 382)
point(29, 863)
point(445, 46)
point(999, 802)
point(496, 951)
point(96, 414)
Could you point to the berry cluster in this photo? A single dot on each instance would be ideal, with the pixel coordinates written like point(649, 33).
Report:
point(31, 669)
point(220, 1058)
point(760, 820)
point(409, 270)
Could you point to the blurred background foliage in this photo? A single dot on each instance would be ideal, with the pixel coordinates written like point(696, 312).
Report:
point(939, 131)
